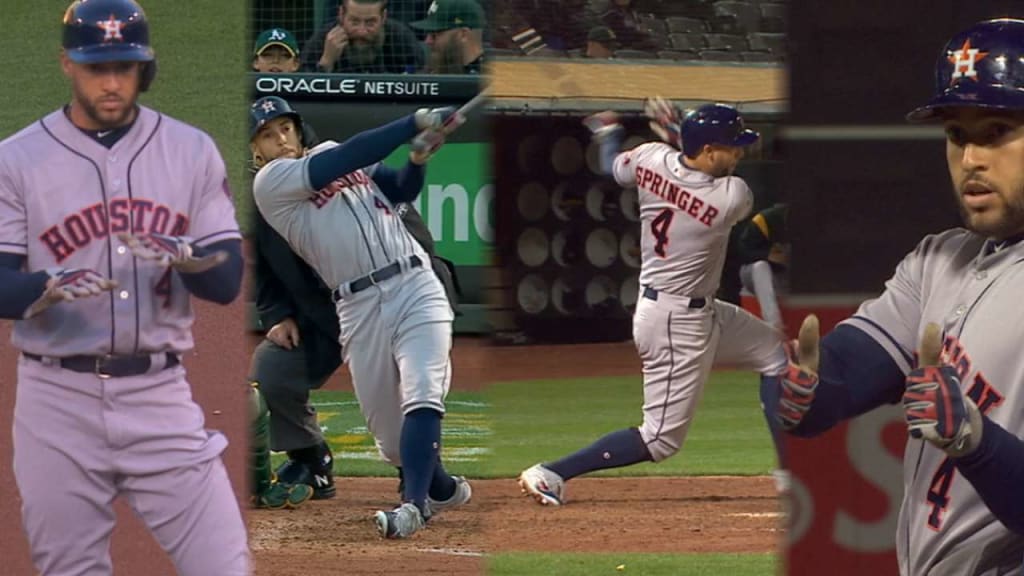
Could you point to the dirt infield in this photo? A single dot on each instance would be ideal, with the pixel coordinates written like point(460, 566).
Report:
point(710, 514)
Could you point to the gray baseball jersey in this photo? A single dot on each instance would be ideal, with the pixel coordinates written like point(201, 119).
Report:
point(957, 280)
point(302, 216)
point(686, 217)
point(63, 199)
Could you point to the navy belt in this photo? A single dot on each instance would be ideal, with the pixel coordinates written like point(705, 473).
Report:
point(376, 277)
point(652, 294)
point(109, 366)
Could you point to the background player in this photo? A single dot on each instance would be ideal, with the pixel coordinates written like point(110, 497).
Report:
point(336, 207)
point(688, 204)
point(301, 349)
point(963, 510)
point(111, 216)
point(763, 247)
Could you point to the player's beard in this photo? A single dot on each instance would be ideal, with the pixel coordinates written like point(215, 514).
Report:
point(446, 59)
point(1009, 221)
point(364, 53)
point(106, 120)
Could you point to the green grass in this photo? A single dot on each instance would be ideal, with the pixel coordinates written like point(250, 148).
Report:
point(544, 420)
point(590, 564)
point(201, 47)
point(510, 426)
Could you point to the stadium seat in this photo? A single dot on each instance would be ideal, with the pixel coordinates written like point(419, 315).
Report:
point(773, 25)
point(635, 55)
point(765, 42)
point(724, 24)
point(687, 42)
point(726, 42)
point(773, 10)
point(654, 24)
point(759, 57)
point(678, 55)
point(686, 25)
point(719, 56)
point(748, 16)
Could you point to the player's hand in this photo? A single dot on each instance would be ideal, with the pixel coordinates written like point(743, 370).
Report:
point(173, 251)
point(801, 378)
point(70, 285)
point(602, 124)
point(664, 120)
point(285, 334)
point(935, 406)
point(334, 45)
point(445, 119)
point(425, 145)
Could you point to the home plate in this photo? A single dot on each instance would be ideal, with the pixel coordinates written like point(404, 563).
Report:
point(451, 551)
point(756, 514)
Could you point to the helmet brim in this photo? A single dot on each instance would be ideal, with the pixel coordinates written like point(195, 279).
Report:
point(746, 138)
point(965, 95)
point(110, 53)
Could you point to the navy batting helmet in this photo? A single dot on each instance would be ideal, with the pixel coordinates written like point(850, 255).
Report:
point(983, 66)
point(266, 109)
point(714, 124)
point(109, 31)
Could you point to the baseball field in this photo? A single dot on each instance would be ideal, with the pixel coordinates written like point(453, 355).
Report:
point(711, 509)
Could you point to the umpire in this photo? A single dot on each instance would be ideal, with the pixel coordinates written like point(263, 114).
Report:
point(301, 347)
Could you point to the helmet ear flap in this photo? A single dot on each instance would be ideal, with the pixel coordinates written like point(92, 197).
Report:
point(147, 74)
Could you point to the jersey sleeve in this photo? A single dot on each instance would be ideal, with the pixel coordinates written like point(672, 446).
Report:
point(13, 220)
point(894, 318)
point(741, 200)
point(624, 167)
point(213, 217)
point(280, 187)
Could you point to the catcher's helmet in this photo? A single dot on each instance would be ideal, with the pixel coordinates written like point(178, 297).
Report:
point(981, 66)
point(266, 109)
point(109, 31)
point(714, 124)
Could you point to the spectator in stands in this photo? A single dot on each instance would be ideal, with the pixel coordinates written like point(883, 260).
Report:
point(276, 51)
point(455, 36)
point(601, 43)
point(363, 40)
point(624, 20)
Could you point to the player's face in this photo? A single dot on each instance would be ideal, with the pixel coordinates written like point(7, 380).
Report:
point(985, 153)
point(363, 22)
point(103, 93)
point(446, 50)
point(724, 160)
point(275, 59)
point(278, 138)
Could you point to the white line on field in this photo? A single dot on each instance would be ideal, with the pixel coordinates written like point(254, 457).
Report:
point(451, 551)
point(467, 403)
point(756, 514)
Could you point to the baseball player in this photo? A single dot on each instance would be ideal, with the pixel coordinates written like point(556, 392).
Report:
point(335, 204)
point(688, 203)
point(301, 348)
point(268, 491)
point(764, 250)
point(963, 510)
point(112, 216)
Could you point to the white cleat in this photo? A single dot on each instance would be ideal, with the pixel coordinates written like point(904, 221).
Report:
point(542, 485)
point(462, 495)
point(402, 522)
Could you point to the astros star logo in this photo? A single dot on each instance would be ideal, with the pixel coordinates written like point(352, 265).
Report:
point(268, 106)
point(964, 60)
point(111, 29)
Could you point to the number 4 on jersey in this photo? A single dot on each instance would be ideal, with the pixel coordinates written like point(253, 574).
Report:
point(659, 228)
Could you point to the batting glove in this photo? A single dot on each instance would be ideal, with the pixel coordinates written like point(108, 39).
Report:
point(799, 382)
point(425, 145)
point(68, 285)
point(173, 251)
point(602, 125)
point(446, 119)
point(935, 406)
point(664, 120)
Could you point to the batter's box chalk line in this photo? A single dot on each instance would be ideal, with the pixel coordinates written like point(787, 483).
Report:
point(452, 552)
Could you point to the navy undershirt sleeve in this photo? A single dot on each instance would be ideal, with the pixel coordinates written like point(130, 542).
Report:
point(18, 289)
point(363, 149)
point(400, 185)
point(856, 375)
point(996, 470)
point(222, 283)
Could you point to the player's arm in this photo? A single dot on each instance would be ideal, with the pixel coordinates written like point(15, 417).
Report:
point(402, 185)
point(370, 147)
point(18, 289)
point(996, 470)
point(608, 133)
point(221, 283)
